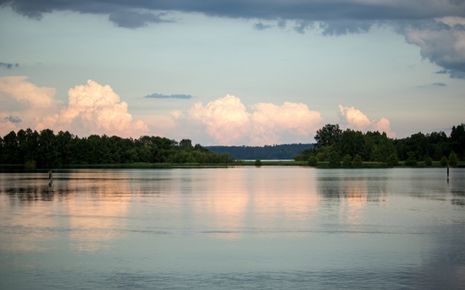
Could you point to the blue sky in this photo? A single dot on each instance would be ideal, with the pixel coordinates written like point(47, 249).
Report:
point(238, 73)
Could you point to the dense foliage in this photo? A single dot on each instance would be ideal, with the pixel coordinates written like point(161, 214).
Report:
point(348, 148)
point(46, 149)
point(283, 151)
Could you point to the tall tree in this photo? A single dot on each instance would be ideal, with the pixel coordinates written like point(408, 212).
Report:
point(328, 135)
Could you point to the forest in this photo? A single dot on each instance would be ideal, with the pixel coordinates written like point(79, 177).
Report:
point(45, 149)
point(349, 148)
point(267, 152)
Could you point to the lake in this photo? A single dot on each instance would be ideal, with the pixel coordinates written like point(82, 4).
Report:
point(233, 228)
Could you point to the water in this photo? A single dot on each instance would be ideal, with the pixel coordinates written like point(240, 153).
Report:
point(233, 228)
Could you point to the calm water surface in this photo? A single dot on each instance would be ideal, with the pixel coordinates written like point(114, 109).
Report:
point(247, 227)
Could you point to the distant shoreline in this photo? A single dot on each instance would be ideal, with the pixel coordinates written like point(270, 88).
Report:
point(238, 163)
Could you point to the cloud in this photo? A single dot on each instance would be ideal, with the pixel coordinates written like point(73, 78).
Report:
point(134, 19)
point(228, 121)
point(443, 46)
point(20, 90)
point(384, 125)
point(338, 27)
point(311, 10)
point(356, 119)
point(6, 125)
point(434, 85)
point(8, 65)
point(270, 122)
point(262, 26)
point(23, 103)
point(96, 109)
point(12, 119)
point(164, 96)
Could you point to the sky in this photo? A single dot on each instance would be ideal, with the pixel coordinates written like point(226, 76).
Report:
point(244, 72)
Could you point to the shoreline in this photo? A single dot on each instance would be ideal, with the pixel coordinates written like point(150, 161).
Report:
point(239, 163)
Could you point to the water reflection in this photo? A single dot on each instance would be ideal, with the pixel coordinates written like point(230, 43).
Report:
point(387, 228)
point(351, 191)
point(236, 201)
point(89, 207)
point(94, 206)
point(98, 210)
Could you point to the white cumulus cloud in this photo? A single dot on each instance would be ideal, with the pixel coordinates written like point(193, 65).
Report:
point(228, 121)
point(356, 119)
point(21, 90)
point(95, 109)
point(25, 100)
point(271, 121)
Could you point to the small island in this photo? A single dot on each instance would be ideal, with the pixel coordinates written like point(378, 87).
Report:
point(354, 149)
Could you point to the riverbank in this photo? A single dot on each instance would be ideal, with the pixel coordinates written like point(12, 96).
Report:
point(143, 165)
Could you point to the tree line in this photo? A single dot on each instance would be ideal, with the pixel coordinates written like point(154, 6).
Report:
point(349, 148)
point(45, 149)
point(267, 152)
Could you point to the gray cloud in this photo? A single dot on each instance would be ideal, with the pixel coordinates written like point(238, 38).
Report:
point(8, 65)
point(134, 19)
point(163, 96)
point(262, 26)
point(435, 84)
point(13, 119)
point(311, 10)
point(345, 26)
point(416, 19)
point(442, 45)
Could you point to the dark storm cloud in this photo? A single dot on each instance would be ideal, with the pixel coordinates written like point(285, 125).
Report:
point(163, 96)
point(418, 20)
point(133, 19)
point(311, 10)
point(8, 65)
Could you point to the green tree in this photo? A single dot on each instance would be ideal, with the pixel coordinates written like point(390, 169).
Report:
point(47, 151)
point(347, 161)
point(185, 144)
point(334, 159)
point(411, 160)
point(328, 135)
point(428, 161)
point(444, 161)
point(10, 150)
point(312, 161)
point(392, 160)
point(457, 139)
point(258, 162)
point(453, 159)
point(357, 162)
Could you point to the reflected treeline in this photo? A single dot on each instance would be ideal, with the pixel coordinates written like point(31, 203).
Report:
point(373, 189)
point(351, 194)
point(457, 187)
point(33, 188)
point(89, 211)
point(94, 206)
